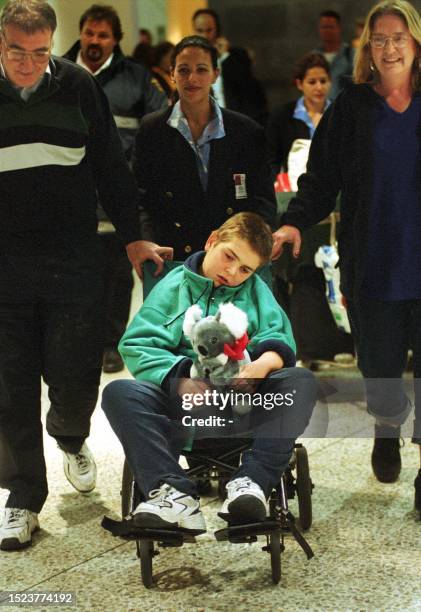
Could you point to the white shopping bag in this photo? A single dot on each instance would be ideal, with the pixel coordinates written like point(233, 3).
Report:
point(297, 160)
point(326, 258)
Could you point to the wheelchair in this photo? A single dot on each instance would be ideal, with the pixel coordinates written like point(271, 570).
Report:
point(212, 460)
point(220, 463)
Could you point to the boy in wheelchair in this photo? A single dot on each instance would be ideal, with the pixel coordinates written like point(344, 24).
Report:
point(147, 413)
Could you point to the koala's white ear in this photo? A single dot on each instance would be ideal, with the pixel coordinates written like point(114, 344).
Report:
point(234, 318)
point(192, 316)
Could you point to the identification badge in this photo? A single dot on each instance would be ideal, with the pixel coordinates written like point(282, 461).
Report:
point(240, 186)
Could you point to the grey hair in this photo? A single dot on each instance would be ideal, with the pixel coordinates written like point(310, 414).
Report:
point(28, 15)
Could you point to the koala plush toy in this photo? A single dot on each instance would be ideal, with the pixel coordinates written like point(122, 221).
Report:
point(219, 342)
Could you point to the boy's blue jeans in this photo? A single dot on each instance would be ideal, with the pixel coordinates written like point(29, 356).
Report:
point(140, 415)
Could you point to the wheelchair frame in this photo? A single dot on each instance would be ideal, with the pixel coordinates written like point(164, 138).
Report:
point(279, 523)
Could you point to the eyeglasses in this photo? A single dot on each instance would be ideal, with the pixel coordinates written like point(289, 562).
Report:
point(18, 56)
point(398, 40)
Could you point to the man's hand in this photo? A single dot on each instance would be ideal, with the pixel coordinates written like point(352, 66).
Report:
point(141, 250)
point(286, 233)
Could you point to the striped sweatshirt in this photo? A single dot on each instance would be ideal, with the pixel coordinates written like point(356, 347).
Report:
point(59, 152)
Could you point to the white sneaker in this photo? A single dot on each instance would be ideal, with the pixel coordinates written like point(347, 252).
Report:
point(17, 528)
point(245, 503)
point(80, 469)
point(167, 507)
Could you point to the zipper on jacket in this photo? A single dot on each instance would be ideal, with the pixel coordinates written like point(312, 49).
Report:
point(212, 298)
point(180, 314)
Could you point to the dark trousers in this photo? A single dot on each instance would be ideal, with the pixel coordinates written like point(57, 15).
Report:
point(50, 327)
point(383, 333)
point(152, 435)
point(118, 289)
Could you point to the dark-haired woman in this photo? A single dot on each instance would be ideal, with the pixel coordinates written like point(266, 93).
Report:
point(161, 68)
point(290, 130)
point(298, 119)
point(198, 164)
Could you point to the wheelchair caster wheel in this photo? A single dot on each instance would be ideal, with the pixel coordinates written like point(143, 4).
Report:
point(304, 488)
point(145, 552)
point(274, 546)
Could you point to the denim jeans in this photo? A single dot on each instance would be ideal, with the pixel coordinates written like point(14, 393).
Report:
point(149, 429)
point(383, 333)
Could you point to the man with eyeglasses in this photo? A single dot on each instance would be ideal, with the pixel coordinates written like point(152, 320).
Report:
point(131, 95)
point(59, 151)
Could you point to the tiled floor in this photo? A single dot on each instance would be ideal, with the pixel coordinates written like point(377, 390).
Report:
point(367, 544)
point(366, 541)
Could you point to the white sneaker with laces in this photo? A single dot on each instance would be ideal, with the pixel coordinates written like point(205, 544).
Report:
point(245, 503)
point(17, 528)
point(80, 469)
point(167, 507)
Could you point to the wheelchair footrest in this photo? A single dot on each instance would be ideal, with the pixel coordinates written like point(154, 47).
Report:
point(128, 530)
point(247, 533)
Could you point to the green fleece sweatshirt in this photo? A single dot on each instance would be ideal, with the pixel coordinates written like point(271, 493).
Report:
point(154, 342)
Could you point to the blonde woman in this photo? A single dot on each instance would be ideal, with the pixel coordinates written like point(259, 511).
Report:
point(367, 147)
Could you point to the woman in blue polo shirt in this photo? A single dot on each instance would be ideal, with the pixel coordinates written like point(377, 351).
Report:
point(298, 119)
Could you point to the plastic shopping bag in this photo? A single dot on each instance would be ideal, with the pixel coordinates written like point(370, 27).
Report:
point(326, 258)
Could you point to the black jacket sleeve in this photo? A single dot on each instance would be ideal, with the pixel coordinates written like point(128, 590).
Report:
point(282, 129)
point(243, 92)
point(265, 200)
point(319, 186)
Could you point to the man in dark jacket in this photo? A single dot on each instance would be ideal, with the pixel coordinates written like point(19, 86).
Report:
point(339, 55)
point(59, 151)
point(131, 94)
point(236, 88)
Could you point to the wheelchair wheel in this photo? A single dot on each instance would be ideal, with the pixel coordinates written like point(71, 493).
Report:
point(274, 545)
point(145, 552)
point(304, 488)
point(126, 490)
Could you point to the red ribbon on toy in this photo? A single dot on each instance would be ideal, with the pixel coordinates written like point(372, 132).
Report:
point(236, 351)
